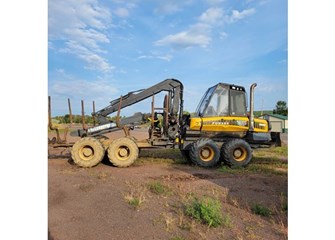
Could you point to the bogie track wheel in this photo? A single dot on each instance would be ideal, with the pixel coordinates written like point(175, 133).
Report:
point(122, 152)
point(205, 153)
point(87, 152)
point(236, 152)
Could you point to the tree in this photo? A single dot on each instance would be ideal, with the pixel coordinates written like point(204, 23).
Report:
point(281, 108)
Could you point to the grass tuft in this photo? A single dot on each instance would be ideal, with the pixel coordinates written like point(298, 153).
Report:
point(261, 210)
point(158, 188)
point(206, 210)
point(136, 195)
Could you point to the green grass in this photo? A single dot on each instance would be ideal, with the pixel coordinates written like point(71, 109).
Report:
point(135, 202)
point(261, 210)
point(255, 168)
point(60, 130)
point(283, 202)
point(279, 152)
point(227, 169)
point(161, 153)
point(136, 196)
point(265, 161)
point(159, 188)
point(171, 156)
point(227, 221)
point(177, 238)
point(206, 210)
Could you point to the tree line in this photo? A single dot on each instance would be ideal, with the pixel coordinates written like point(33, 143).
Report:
point(78, 119)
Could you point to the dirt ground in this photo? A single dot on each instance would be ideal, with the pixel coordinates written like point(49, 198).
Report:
point(94, 203)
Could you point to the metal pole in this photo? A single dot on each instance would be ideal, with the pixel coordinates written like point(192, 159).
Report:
point(49, 112)
point(50, 121)
point(83, 114)
point(93, 115)
point(70, 111)
point(251, 117)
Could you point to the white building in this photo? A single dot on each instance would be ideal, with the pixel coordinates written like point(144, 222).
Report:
point(279, 123)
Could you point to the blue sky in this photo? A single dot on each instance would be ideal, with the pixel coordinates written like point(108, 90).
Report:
point(99, 50)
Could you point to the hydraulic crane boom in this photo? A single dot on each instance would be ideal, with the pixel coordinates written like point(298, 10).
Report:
point(174, 86)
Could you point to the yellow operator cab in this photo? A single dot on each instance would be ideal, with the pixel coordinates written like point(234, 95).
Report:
point(224, 108)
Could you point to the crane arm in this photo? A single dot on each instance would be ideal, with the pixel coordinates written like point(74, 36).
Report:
point(171, 85)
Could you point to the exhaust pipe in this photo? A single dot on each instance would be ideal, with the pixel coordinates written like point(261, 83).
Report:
point(251, 117)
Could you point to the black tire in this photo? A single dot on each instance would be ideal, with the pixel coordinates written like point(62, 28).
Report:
point(186, 155)
point(236, 152)
point(205, 153)
point(122, 152)
point(87, 152)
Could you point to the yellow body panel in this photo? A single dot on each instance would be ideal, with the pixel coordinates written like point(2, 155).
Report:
point(227, 124)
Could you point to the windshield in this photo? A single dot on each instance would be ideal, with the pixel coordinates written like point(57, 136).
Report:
point(204, 102)
point(221, 100)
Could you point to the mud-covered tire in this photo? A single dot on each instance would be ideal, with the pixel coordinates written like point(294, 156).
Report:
point(236, 152)
point(87, 152)
point(205, 153)
point(122, 152)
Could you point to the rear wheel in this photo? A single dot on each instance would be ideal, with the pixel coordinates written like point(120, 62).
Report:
point(122, 152)
point(236, 152)
point(205, 153)
point(87, 152)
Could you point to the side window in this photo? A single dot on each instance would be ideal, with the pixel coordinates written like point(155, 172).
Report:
point(238, 103)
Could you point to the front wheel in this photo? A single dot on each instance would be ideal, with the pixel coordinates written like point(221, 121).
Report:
point(205, 153)
point(236, 152)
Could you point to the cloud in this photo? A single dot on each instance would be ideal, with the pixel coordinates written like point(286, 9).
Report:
point(214, 2)
point(81, 27)
point(121, 12)
point(196, 35)
point(93, 60)
point(223, 35)
point(211, 15)
point(200, 33)
point(171, 6)
point(166, 57)
point(167, 8)
point(101, 92)
point(236, 15)
point(87, 37)
point(82, 88)
point(283, 61)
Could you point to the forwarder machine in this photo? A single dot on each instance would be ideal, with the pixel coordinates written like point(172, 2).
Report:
point(220, 130)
